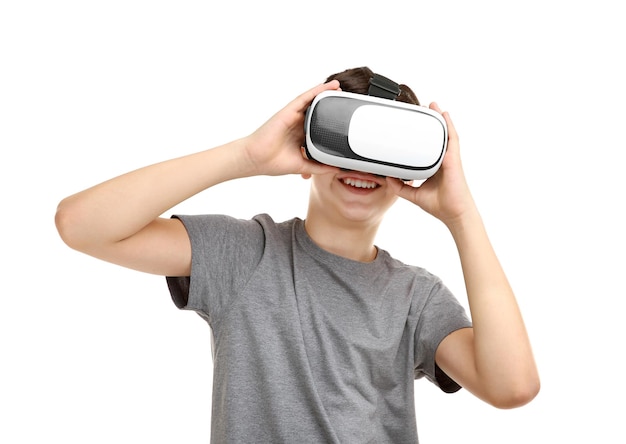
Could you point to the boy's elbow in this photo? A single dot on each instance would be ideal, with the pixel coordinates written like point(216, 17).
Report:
point(517, 395)
point(67, 222)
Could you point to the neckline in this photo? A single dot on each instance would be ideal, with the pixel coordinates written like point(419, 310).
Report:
point(312, 248)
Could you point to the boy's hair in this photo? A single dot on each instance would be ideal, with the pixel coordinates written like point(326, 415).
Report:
point(357, 80)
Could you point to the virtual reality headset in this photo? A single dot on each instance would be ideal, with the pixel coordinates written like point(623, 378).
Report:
point(374, 133)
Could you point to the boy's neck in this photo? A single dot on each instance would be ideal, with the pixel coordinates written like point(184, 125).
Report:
point(353, 241)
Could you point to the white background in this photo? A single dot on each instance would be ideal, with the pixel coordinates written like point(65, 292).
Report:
point(93, 353)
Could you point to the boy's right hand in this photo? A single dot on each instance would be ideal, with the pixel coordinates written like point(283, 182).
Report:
point(276, 147)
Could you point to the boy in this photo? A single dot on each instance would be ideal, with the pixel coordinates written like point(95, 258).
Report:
point(318, 333)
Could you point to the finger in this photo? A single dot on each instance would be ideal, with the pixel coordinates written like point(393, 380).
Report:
point(447, 118)
point(402, 189)
point(453, 136)
point(304, 100)
point(435, 107)
point(313, 167)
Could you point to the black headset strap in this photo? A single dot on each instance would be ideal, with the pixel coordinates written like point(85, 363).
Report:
point(383, 87)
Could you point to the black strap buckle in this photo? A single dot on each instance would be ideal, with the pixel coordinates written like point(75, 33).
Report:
point(383, 87)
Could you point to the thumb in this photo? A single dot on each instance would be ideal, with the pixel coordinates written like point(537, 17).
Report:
point(404, 190)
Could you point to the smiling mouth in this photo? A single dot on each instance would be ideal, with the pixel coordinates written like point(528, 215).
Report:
point(360, 183)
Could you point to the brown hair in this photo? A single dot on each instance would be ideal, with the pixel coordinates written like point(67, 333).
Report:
point(357, 80)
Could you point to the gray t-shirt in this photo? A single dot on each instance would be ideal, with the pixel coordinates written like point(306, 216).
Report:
point(311, 347)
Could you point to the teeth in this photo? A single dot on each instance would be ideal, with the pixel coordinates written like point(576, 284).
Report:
point(360, 183)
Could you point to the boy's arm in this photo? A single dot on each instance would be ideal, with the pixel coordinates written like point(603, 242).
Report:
point(120, 220)
point(494, 359)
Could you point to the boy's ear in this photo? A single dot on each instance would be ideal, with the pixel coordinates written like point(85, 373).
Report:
point(305, 176)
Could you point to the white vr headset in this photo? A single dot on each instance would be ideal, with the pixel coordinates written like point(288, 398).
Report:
point(374, 133)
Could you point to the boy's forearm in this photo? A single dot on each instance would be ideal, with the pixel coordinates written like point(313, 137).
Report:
point(502, 349)
point(115, 209)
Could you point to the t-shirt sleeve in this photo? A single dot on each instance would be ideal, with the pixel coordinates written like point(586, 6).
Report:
point(224, 253)
point(441, 315)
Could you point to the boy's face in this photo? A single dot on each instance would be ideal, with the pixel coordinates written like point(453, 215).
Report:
point(352, 196)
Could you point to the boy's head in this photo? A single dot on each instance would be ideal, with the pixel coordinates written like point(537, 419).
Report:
point(352, 195)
